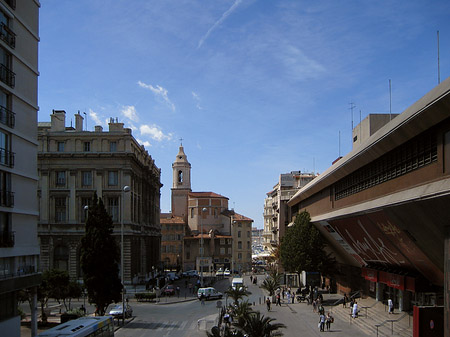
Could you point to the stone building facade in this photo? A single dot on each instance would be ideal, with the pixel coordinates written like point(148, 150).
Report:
point(73, 164)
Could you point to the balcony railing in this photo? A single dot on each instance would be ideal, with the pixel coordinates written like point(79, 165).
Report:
point(7, 76)
point(6, 157)
point(11, 3)
point(7, 35)
point(6, 198)
point(7, 239)
point(7, 117)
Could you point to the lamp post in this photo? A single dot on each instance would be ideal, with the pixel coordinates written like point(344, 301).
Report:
point(124, 190)
point(201, 244)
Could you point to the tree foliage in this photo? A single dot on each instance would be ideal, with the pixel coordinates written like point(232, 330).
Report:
point(237, 293)
point(302, 247)
point(271, 285)
point(100, 256)
point(256, 325)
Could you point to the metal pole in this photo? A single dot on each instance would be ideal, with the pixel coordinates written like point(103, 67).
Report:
point(125, 189)
point(201, 243)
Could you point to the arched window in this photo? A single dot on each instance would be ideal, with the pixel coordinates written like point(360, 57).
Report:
point(180, 177)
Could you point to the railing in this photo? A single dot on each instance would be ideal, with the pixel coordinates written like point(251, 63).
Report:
point(7, 117)
point(392, 321)
point(7, 76)
point(11, 3)
point(7, 239)
point(6, 157)
point(7, 35)
point(6, 198)
point(21, 271)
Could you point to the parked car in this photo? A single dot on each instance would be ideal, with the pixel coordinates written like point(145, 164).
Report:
point(117, 311)
point(173, 276)
point(169, 290)
point(190, 273)
point(226, 272)
point(219, 272)
point(209, 293)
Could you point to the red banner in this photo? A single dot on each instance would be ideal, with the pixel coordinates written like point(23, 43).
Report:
point(370, 274)
point(396, 281)
point(410, 283)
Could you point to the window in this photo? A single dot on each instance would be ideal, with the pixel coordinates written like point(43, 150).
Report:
point(60, 209)
point(60, 146)
point(113, 178)
point(248, 234)
point(112, 146)
point(6, 75)
point(6, 34)
point(222, 251)
point(87, 146)
point(86, 178)
point(5, 154)
point(60, 178)
point(61, 258)
point(229, 250)
point(7, 117)
point(6, 195)
point(239, 234)
point(215, 213)
point(83, 212)
point(192, 212)
point(113, 208)
point(248, 244)
point(239, 244)
point(239, 256)
point(6, 235)
point(180, 177)
point(222, 241)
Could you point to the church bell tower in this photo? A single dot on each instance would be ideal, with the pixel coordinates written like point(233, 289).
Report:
point(181, 185)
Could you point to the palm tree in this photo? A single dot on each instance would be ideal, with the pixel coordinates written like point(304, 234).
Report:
point(256, 325)
point(237, 294)
point(240, 312)
point(271, 285)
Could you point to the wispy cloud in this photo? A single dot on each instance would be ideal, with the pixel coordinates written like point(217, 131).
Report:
point(155, 132)
point(146, 143)
point(159, 92)
point(218, 22)
point(95, 117)
point(129, 111)
point(197, 100)
point(298, 65)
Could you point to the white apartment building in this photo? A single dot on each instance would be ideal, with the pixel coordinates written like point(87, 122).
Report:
point(276, 211)
point(19, 247)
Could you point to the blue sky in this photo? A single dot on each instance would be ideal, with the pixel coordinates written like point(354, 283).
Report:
point(255, 88)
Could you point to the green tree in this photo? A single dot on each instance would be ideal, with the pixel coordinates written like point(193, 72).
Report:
point(100, 255)
point(303, 248)
point(237, 294)
point(240, 312)
point(271, 285)
point(256, 325)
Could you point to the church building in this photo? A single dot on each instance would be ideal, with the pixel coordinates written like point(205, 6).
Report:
point(213, 236)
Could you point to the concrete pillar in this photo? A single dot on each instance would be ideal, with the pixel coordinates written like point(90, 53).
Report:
point(34, 329)
point(446, 283)
point(379, 292)
point(400, 300)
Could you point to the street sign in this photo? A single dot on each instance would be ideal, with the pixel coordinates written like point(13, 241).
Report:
point(219, 304)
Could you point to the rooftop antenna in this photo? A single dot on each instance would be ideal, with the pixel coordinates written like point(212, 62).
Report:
point(390, 100)
point(181, 141)
point(340, 144)
point(352, 106)
point(85, 117)
point(439, 67)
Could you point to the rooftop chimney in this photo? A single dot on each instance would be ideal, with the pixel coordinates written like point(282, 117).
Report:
point(58, 120)
point(79, 122)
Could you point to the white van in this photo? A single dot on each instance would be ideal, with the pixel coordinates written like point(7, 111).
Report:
point(237, 283)
point(209, 293)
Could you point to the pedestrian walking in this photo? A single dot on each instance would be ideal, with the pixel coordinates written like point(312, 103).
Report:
point(202, 299)
point(268, 304)
point(314, 303)
point(278, 302)
point(391, 306)
point(344, 301)
point(251, 278)
point(329, 320)
point(321, 310)
point(355, 310)
point(322, 322)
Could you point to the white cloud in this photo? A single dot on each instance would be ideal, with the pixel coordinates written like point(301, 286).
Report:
point(298, 65)
point(218, 22)
point(155, 132)
point(145, 143)
point(129, 111)
point(197, 99)
point(159, 92)
point(95, 117)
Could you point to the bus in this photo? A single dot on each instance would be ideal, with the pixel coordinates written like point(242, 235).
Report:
point(84, 326)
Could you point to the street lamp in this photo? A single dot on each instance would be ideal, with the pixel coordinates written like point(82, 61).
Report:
point(124, 190)
point(201, 244)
